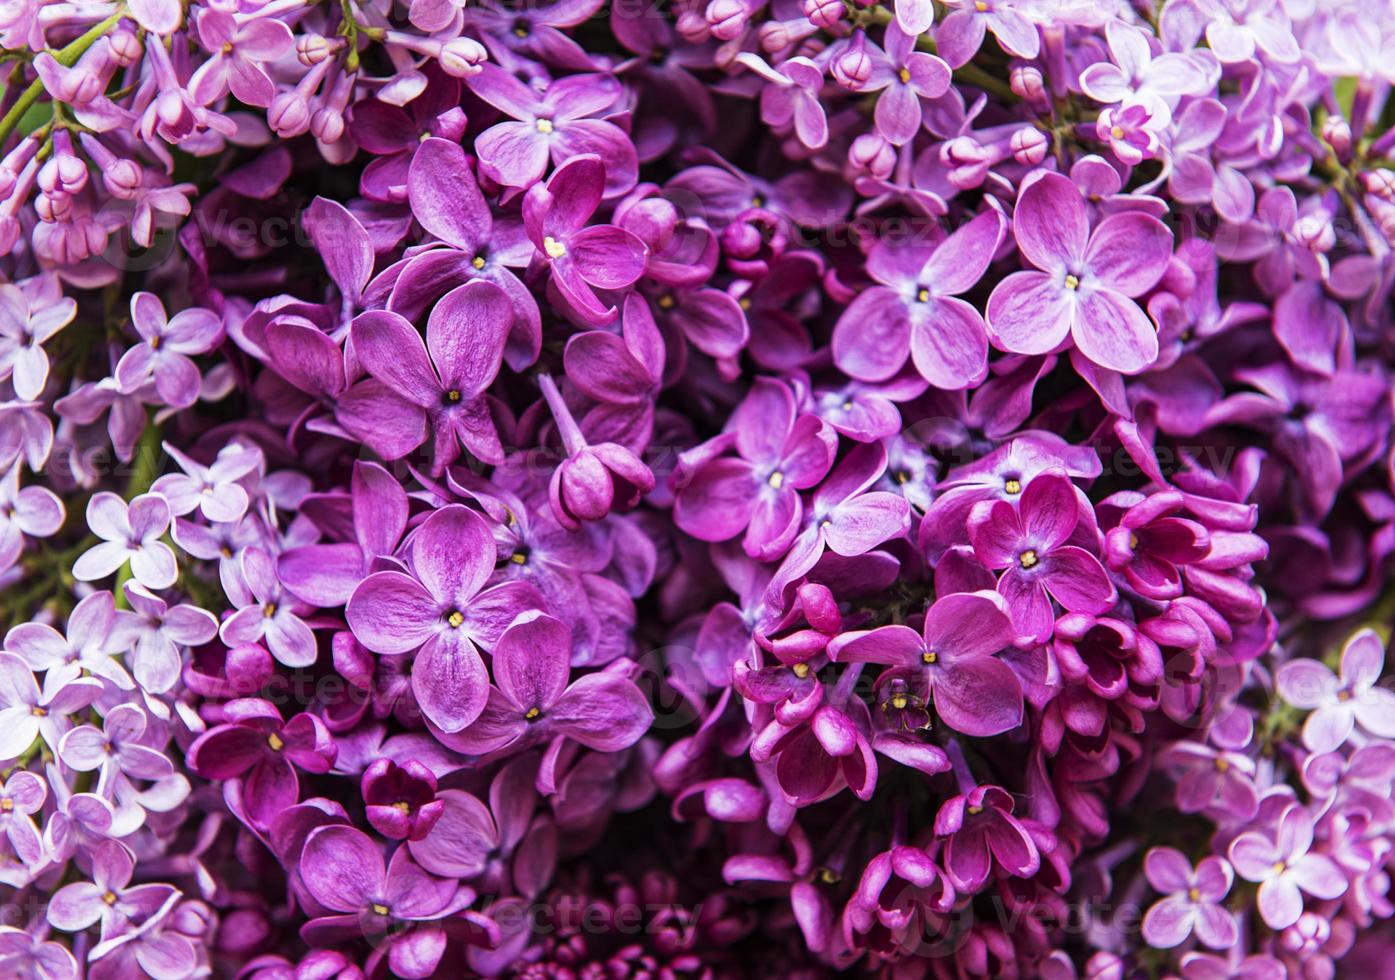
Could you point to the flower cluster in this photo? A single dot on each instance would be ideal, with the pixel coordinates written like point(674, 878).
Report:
point(558, 490)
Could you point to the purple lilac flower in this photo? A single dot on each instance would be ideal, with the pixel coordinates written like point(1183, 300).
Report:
point(131, 534)
point(443, 612)
point(1285, 867)
point(1087, 280)
point(165, 350)
point(1338, 705)
point(1193, 902)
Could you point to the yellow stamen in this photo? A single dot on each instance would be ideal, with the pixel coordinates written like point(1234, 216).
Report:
point(980, 6)
point(905, 75)
point(545, 126)
point(745, 303)
point(923, 296)
point(829, 877)
point(929, 657)
point(801, 670)
point(453, 395)
point(1012, 488)
point(456, 619)
point(554, 248)
point(532, 714)
point(380, 909)
point(975, 810)
point(1028, 558)
point(898, 701)
point(1193, 894)
point(777, 479)
point(1072, 281)
point(1117, 132)
point(269, 610)
point(478, 262)
point(109, 898)
point(275, 742)
point(404, 806)
point(667, 302)
point(518, 558)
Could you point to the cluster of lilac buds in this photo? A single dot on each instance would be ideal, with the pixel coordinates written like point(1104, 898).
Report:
point(568, 490)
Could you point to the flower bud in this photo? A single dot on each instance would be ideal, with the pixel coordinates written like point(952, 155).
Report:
point(327, 124)
point(1029, 146)
point(462, 57)
point(853, 67)
point(1379, 182)
point(126, 47)
point(289, 114)
point(727, 18)
point(311, 49)
point(823, 13)
point(1026, 82)
point(873, 153)
point(1337, 132)
point(692, 27)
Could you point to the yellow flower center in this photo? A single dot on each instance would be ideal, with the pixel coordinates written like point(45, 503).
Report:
point(922, 296)
point(1012, 488)
point(7, 805)
point(667, 302)
point(38, 712)
point(980, 6)
point(478, 262)
point(155, 343)
point(929, 657)
point(899, 702)
point(269, 610)
point(1028, 558)
point(275, 742)
point(1222, 765)
point(518, 558)
point(456, 619)
point(379, 908)
point(800, 670)
point(404, 806)
point(975, 810)
point(777, 480)
point(1193, 894)
point(1072, 281)
point(545, 126)
point(453, 395)
point(109, 898)
point(745, 303)
point(829, 877)
point(1280, 867)
point(905, 75)
point(532, 714)
point(554, 248)
point(1117, 132)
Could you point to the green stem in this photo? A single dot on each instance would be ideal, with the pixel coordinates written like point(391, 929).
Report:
point(66, 57)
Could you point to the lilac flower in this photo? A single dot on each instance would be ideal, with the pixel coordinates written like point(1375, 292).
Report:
point(982, 834)
point(916, 310)
point(269, 613)
point(1136, 74)
point(1193, 901)
point(34, 510)
point(264, 752)
point(27, 713)
point(165, 348)
point(161, 630)
point(792, 97)
point(23, 954)
point(1339, 705)
point(433, 389)
point(779, 452)
point(1235, 30)
point(21, 796)
point(1030, 541)
point(214, 491)
point(109, 898)
point(559, 125)
point(1285, 867)
point(581, 259)
point(961, 33)
point(440, 611)
point(1087, 280)
point(31, 313)
point(973, 693)
point(400, 801)
point(238, 53)
point(904, 76)
point(130, 533)
point(399, 904)
point(531, 700)
point(1149, 543)
point(117, 747)
point(95, 632)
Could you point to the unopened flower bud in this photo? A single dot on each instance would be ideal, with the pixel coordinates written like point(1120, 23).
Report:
point(327, 124)
point(311, 49)
point(1029, 146)
point(1337, 132)
point(1379, 182)
point(823, 13)
point(692, 27)
point(289, 115)
point(873, 153)
point(126, 47)
point(1026, 82)
point(852, 68)
point(462, 57)
point(727, 18)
